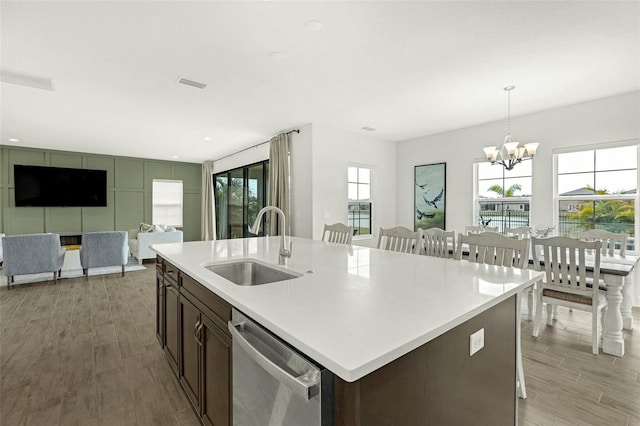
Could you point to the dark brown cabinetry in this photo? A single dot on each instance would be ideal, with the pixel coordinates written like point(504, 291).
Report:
point(216, 385)
point(190, 351)
point(171, 345)
point(191, 326)
point(160, 307)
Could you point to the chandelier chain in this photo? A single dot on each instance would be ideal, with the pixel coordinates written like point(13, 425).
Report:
point(508, 112)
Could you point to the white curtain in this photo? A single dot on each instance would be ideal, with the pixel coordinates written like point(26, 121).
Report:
point(279, 181)
point(208, 217)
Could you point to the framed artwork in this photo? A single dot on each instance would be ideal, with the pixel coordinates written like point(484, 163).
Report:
point(430, 194)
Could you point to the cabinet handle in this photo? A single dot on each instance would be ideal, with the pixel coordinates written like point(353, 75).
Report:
point(195, 332)
point(200, 327)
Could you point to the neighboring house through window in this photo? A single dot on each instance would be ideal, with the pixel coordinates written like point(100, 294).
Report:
point(596, 188)
point(502, 197)
point(359, 203)
point(167, 202)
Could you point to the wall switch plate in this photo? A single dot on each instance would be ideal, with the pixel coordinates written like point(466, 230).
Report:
point(476, 341)
point(326, 215)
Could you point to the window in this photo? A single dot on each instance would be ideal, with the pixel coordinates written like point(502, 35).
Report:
point(359, 194)
point(597, 189)
point(239, 195)
point(167, 202)
point(503, 197)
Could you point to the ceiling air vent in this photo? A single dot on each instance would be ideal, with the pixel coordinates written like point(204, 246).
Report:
point(368, 129)
point(25, 79)
point(191, 83)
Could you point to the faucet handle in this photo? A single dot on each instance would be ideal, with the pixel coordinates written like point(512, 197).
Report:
point(286, 252)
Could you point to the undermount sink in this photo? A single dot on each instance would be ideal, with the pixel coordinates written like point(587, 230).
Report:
point(248, 272)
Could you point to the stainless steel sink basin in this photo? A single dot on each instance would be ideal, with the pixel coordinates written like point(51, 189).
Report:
point(250, 272)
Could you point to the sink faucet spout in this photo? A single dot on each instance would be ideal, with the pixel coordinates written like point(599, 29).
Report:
point(285, 249)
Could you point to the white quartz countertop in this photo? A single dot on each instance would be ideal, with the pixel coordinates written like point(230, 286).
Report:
point(360, 308)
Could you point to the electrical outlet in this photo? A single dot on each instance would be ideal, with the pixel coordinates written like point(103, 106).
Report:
point(326, 215)
point(476, 341)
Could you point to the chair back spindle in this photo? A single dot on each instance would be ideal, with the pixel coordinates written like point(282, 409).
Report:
point(337, 233)
point(399, 239)
point(437, 242)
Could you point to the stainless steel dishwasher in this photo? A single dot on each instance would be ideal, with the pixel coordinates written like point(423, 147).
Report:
point(273, 384)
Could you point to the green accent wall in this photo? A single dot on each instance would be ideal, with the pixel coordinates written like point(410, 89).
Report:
point(129, 182)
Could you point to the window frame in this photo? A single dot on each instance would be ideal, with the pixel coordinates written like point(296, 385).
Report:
point(504, 201)
point(154, 203)
point(229, 234)
point(557, 199)
point(368, 201)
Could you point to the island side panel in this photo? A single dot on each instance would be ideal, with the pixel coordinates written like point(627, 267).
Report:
point(439, 383)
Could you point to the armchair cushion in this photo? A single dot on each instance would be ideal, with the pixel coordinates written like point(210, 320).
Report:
point(31, 254)
point(106, 248)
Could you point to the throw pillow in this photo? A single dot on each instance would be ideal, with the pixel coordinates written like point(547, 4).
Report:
point(145, 227)
point(158, 228)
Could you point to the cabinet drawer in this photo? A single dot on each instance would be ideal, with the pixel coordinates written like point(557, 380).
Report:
point(159, 261)
point(211, 304)
point(170, 272)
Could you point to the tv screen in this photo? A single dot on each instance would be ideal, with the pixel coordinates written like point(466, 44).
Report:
point(37, 186)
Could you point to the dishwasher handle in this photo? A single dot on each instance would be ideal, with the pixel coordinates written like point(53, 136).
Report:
point(306, 385)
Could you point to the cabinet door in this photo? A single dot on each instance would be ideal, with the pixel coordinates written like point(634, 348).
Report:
point(171, 305)
point(190, 351)
point(160, 307)
point(216, 375)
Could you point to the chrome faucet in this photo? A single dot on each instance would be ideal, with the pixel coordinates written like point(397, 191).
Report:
point(285, 250)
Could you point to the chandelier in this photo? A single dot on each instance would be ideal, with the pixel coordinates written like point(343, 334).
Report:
point(511, 152)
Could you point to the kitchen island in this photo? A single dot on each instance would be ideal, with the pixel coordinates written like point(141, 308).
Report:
point(393, 328)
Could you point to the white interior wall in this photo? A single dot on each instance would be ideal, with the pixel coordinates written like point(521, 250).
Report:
point(301, 167)
point(332, 151)
point(244, 158)
point(609, 119)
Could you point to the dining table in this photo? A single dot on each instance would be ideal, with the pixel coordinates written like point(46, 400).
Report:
point(616, 271)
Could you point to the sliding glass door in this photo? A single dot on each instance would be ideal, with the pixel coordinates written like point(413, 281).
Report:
point(240, 194)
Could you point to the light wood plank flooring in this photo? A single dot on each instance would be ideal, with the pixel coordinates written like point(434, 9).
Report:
point(85, 353)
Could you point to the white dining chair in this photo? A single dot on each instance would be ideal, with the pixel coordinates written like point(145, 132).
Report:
point(566, 282)
point(477, 229)
point(437, 242)
point(337, 233)
point(520, 232)
point(495, 249)
point(608, 240)
point(398, 239)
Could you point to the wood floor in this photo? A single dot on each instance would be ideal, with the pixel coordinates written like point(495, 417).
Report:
point(85, 353)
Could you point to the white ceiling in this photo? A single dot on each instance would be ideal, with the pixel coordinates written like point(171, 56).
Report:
point(406, 69)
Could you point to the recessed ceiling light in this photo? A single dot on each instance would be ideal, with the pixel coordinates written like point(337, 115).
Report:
point(206, 138)
point(276, 55)
point(313, 26)
point(368, 129)
point(14, 140)
point(174, 156)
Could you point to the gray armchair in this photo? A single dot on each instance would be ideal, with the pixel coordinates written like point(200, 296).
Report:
point(108, 248)
point(32, 254)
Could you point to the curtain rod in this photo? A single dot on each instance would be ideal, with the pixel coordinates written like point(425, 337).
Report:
point(255, 146)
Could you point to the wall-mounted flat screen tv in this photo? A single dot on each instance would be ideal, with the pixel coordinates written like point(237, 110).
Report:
point(37, 186)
